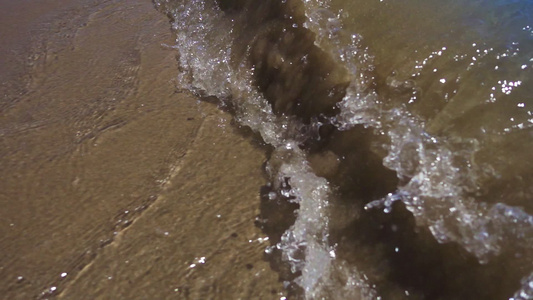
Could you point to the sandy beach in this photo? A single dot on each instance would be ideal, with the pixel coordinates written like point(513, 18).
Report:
point(114, 184)
point(241, 149)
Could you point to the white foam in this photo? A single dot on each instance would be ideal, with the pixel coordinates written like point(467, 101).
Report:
point(436, 189)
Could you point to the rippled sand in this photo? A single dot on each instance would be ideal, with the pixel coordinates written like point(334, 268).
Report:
point(113, 184)
point(341, 150)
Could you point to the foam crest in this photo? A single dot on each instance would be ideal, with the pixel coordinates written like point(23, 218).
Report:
point(438, 173)
point(441, 176)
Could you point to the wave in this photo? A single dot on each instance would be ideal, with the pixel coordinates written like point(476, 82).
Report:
point(386, 190)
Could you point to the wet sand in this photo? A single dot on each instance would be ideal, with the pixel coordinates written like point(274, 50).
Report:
point(114, 185)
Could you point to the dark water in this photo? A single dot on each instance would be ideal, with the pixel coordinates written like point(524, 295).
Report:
point(400, 133)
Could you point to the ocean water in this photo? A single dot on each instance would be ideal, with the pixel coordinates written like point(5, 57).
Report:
point(400, 137)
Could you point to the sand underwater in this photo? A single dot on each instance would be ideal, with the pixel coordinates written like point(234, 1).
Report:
point(291, 149)
point(113, 183)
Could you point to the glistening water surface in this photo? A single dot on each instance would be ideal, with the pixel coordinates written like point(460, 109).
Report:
point(401, 136)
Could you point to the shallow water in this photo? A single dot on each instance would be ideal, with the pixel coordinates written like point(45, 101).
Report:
point(108, 176)
point(401, 134)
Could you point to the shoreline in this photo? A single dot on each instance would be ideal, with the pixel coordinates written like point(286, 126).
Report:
point(116, 183)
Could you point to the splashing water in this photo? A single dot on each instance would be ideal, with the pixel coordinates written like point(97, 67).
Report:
point(445, 159)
